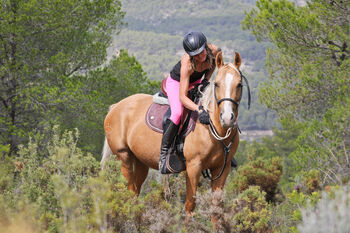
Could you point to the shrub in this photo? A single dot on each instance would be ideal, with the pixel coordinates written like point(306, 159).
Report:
point(250, 212)
point(159, 215)
point(331, 214)
point(264, 173)
point(287, 215)
point(212, 205)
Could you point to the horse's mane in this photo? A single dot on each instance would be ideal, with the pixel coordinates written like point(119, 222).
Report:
point(207, 99)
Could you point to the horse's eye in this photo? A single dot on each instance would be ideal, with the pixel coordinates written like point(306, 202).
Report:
point(240, 85)
point(216, 84)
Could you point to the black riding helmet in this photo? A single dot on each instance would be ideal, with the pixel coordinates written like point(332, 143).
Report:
point(194, 43)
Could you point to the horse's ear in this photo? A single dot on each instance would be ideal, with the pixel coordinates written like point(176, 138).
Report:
point(219, 60)
point(237, 60)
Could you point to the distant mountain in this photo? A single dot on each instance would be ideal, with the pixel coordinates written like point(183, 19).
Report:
point(156, 28)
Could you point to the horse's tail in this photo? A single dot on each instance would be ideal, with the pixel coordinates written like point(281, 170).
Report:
point(106, 153)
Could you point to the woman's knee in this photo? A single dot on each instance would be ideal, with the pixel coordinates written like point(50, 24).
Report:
point(176, 116)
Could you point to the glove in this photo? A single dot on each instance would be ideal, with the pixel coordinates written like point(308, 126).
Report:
point(203, 116)
point(204, 84)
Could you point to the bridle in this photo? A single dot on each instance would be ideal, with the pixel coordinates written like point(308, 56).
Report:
point(214, 132)
point(236, 102)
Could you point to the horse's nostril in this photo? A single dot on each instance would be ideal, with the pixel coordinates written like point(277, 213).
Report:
point(221, 115)
point(232, 115)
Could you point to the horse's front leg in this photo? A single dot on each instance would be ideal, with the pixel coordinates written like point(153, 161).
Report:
point(217, 186)
point(219, 183)
point(193, 173)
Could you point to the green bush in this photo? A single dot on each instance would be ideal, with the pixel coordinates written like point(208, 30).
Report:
point(54, 187)
point(250, 212)
point(287, 215)
point(264, 173)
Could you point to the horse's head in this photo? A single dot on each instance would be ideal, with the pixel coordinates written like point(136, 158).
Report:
point(228, 89)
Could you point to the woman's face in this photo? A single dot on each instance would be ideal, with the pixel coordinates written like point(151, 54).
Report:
point(201, 57)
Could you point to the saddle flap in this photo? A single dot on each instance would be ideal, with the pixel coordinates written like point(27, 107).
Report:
point(155, 115)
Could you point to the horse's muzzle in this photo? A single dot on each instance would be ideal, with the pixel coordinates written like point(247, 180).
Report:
point(227, 119)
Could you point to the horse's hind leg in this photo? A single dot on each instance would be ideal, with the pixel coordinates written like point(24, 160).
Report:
point(127, 167)
point(140, 174)
point(133, 170)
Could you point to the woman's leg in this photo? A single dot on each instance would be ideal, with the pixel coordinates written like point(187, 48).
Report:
point(173, 91)
point(170, 132)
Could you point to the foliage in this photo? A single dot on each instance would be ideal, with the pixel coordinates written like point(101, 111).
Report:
point(265, 173)
point(43, 45)
point(100, 88)
point(324, 145)
point(331, 214)
point(309, 61)
point(287, 214)
point(250, 211)
point(308, 64)
point(213, 205)
point(303, 83)
point(63, 190)
point(247, 212)
point(312, 181)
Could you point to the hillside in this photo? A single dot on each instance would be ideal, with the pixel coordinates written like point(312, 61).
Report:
point(154, 35)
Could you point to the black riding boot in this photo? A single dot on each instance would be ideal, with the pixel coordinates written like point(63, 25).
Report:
point(167, 140)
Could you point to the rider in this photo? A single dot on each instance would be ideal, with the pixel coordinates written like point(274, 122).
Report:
point(199, 60)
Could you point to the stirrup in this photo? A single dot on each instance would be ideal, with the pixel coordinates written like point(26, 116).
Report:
point(172, 164)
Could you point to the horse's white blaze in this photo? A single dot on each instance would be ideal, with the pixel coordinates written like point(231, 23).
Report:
point(226, 115)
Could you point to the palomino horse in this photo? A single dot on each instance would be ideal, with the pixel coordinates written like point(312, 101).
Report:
point(138, 147)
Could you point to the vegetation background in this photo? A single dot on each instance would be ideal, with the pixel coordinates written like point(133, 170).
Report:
point(63, 62)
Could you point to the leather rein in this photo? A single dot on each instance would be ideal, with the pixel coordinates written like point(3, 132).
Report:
point(213, 131)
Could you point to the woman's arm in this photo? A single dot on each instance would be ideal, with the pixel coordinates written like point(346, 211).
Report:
point(185, 74)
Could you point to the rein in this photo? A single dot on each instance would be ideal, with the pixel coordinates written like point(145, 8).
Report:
point(213, 131)
point(206, 173)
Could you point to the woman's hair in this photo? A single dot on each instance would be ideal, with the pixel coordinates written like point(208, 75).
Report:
point(209, 59)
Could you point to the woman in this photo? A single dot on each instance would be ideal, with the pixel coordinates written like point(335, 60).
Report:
point(199, 60)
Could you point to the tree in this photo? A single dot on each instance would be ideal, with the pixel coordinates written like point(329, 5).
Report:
point(309, 65)
point(309, 60)
point(43, 46)
point(99, 89)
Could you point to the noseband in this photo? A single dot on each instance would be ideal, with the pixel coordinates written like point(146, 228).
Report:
point(236, 102)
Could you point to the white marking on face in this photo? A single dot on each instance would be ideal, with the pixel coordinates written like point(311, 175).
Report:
point(228, 104)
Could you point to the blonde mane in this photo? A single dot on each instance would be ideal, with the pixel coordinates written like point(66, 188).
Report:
point(208, 98)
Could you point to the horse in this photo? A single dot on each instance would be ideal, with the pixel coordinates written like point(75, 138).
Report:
point(208, 147)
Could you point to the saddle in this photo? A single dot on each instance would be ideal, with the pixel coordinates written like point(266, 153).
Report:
point(157, 115)
point(156, 119)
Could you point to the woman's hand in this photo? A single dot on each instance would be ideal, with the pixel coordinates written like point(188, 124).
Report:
point(203, 116)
